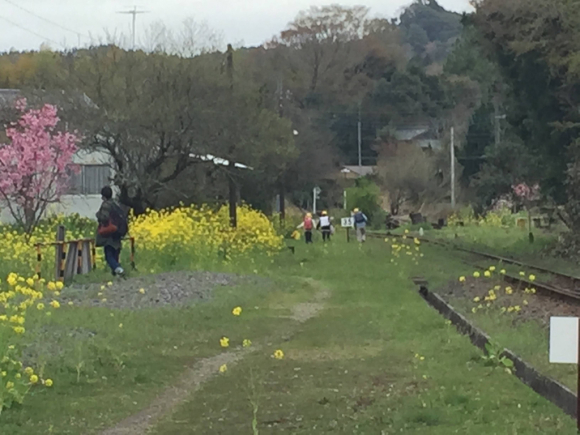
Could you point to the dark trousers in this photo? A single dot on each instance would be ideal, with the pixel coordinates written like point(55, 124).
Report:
point(112, 258)
point(308, 236)
point(325, 233)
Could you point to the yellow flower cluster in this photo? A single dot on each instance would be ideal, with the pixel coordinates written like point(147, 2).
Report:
point(494, 219)
point(493, 294)
point(198, 232)
point(17, 296)
point(17, 253)
point(406, 249)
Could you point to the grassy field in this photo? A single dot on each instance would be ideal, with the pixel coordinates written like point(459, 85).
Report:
point(376, 360)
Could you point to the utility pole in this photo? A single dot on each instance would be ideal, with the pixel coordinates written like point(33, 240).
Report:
point(452, 167)
point(359, 136)
point(497, 117)
point(133, 12)
point(233, 194)
point(282, 184)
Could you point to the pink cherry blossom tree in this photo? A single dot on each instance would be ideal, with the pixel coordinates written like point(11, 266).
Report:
point(35, 164)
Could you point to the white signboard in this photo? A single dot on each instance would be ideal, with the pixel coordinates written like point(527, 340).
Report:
point(564, 340)
point(347, 222)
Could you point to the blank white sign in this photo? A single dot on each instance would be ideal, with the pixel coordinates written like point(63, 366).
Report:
point(564, 340)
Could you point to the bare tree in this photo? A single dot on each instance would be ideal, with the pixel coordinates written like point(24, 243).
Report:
point(317, 40)
point(191, 39)
point(409, 175)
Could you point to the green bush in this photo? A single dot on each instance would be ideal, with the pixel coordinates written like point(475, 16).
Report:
point(366, 197)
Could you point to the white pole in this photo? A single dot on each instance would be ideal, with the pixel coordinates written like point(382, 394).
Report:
point(452, 167)
point(345, 199)
point(314, 193)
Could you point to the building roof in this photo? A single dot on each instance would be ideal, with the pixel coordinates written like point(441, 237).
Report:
point(410, 132)
point(7, 96)
point(218, 161)
point(361, 171)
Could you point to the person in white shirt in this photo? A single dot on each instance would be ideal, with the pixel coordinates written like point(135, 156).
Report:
point(324, 225)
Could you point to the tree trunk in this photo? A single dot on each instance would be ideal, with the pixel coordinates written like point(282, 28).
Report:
point(136, 202)
point(233, 196)
point(282, 203)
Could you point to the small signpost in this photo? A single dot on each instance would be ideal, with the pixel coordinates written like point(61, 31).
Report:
point(347, 223)
point(565, 349)
point(315, 196)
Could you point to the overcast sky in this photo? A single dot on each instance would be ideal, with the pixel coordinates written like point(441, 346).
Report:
point(248, 21)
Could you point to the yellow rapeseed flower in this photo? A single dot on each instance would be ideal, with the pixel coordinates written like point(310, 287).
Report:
point(142, 291)
point(224, 342)
point(279, 354)
point(48, 383)
point(476, 274)
point(237, 311)
point(461, 279)
point(223, 368)
point(246, 343)
point(487, 273)
point(34, 379)
point(55, 304)
point(59, 285)
point(532, 278)
point(29, 371)
point(476, 299)
point(492, 269)
point(40, 306)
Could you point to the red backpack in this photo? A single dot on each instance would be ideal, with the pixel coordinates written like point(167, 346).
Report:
point(308, 223)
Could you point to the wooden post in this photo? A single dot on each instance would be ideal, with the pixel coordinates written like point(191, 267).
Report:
point(60, 254)
point(71, 262)
point(94, 253)
point(38, 262)
point(79, 258)
point(347, 235)
point(133, 253)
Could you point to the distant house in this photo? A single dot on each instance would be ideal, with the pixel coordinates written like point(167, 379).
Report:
point(350, 172)
point(422, 135)
point(84, 193)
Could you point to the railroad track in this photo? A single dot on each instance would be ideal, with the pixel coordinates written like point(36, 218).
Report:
point(568, 286)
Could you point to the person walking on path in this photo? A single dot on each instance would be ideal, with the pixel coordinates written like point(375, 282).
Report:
point(308, 225)
point(324, 225)
point(112, 228)
point(360, 223)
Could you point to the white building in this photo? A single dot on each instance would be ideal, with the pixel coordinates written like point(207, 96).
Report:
point(84, 194)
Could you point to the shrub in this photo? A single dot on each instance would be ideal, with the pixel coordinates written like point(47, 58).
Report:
point(366, 197)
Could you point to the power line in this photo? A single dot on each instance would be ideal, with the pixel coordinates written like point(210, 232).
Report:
point(30, 31)
point(45, 19)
